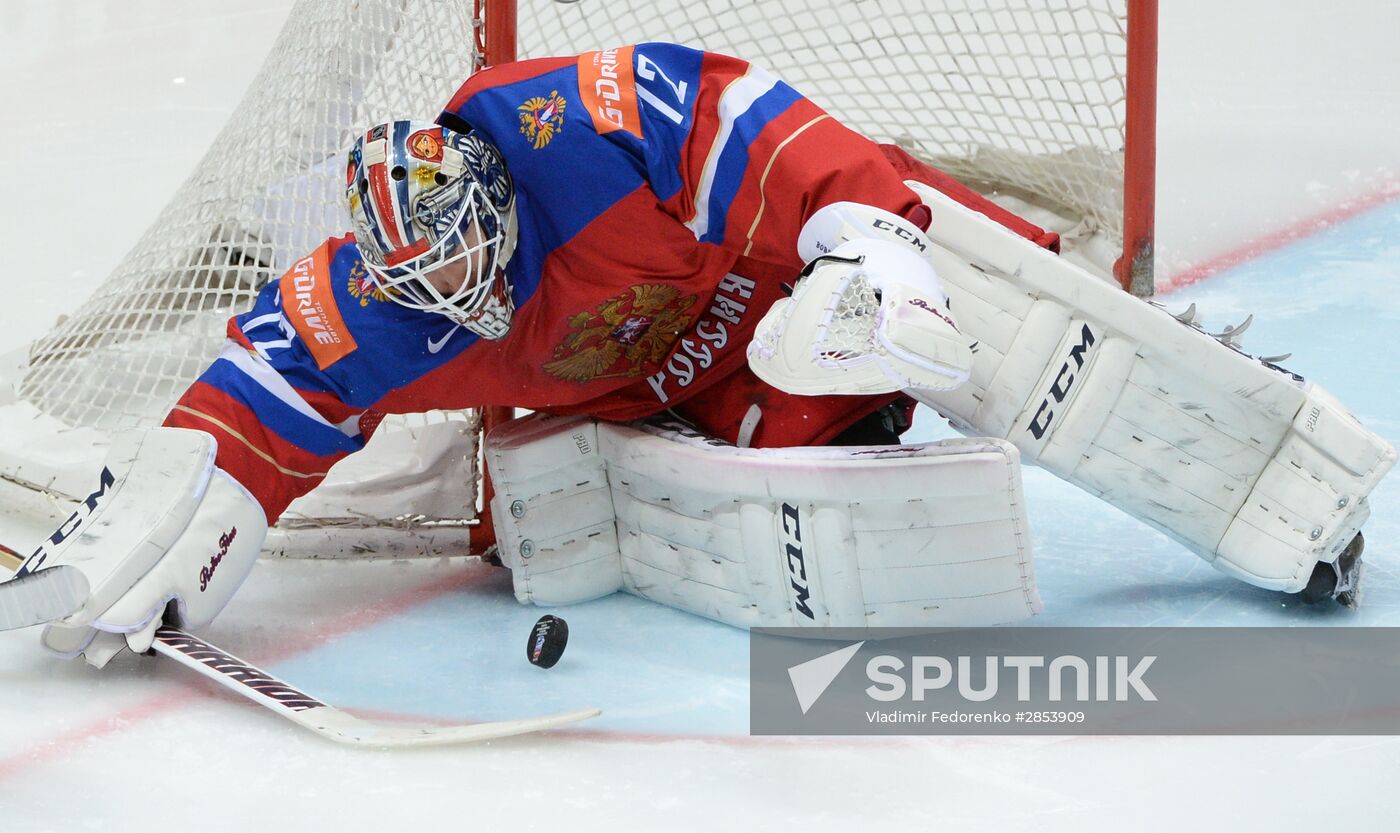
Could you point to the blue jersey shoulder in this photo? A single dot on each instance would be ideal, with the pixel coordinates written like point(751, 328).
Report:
point(566, 173)
point(326, 326)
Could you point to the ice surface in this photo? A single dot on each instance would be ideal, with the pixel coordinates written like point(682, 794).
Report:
point(107, 106)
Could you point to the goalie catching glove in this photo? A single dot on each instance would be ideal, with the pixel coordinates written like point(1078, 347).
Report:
point(867, 316)
point(164, 525)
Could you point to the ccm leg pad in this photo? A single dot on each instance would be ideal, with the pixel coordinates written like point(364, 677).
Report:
point(917, 535)
point(1258, 472)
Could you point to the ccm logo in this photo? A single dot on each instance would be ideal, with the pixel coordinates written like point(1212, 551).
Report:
point(72, 524)
point(796, 564)
point(1064, 382)
point(902, 233)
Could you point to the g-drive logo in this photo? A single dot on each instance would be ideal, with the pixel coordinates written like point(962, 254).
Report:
point(1065, 678)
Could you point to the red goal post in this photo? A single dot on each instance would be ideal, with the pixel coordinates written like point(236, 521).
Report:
point(1134, 268)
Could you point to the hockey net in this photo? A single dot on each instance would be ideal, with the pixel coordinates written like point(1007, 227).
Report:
point(1025, 99)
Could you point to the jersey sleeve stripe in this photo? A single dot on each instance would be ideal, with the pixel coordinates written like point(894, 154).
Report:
point(273, 469)
point(273, 382)
point(248, 444)
point(735, 101)
point(291, 420)
point(331, 407)
point(735, 160)
point(763, 179)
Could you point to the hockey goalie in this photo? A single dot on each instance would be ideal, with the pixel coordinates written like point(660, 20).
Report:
point(722, 306)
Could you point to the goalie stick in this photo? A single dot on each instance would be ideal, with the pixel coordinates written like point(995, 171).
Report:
point(328, 721)
point(18, 595)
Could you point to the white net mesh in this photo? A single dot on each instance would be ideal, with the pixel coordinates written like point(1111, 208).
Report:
point(1023, 97)
point(267, 192)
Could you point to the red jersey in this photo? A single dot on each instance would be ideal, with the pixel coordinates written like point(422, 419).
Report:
point(659, 195)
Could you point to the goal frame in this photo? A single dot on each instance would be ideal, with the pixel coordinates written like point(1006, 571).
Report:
point(1134, 267)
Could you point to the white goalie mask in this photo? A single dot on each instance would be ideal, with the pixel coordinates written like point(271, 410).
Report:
point(427, 201)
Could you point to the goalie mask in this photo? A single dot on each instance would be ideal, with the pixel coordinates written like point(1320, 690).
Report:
point(433, 212)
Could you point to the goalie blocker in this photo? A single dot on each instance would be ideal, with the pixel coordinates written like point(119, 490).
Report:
point(918, 535)
point(165, 537)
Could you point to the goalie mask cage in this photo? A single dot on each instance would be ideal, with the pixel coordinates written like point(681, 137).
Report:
point(1046, 104)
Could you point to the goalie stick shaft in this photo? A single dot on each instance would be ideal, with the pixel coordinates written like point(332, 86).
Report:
point(263, 688)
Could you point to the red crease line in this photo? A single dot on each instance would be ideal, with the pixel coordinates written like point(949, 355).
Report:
point(1276, 240)
point(160, 705)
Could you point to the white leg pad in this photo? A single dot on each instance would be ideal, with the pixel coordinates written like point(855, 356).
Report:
point(1259, 474)
point(552, 510)
point(931, 534)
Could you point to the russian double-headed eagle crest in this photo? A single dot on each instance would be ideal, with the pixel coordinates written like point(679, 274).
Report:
point(622, 334)
point(362, 286)
point(541, 118)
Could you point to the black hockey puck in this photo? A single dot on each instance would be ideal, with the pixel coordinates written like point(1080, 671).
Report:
point(547, 640)
point(1346, 570)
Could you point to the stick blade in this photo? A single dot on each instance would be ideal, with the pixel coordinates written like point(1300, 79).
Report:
point(345, 728)
point(49, 594)
point(327, 721)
